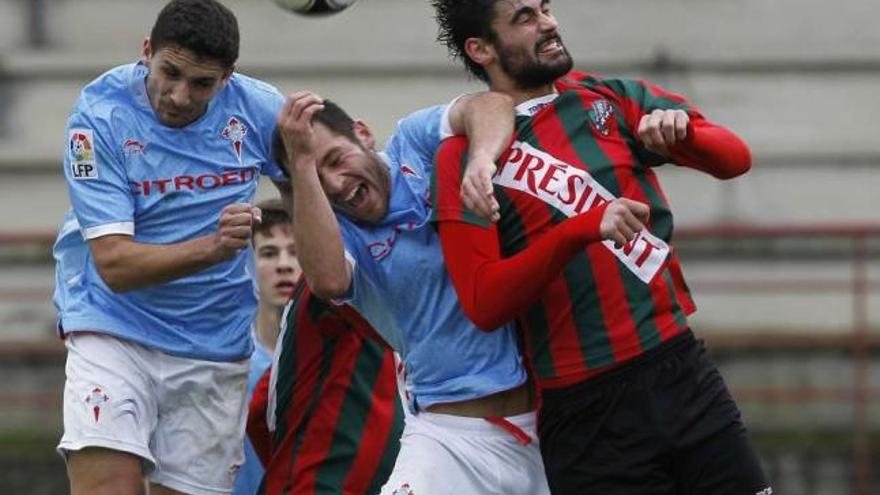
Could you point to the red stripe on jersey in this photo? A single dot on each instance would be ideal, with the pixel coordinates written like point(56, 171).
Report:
point(317, 436)
point(616, 312)
point(562, 331)
point(381, 414)
point(619, 153)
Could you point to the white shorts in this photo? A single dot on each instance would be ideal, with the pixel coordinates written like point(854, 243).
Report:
point(184, 417)
point(442, 454)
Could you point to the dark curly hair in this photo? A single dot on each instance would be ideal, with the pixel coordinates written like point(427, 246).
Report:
point(204, 27)
point(459, 20)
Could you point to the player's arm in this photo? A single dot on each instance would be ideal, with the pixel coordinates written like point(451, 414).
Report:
point(487, 120)
point(316, 232)
point(125, 264)
point(493, 290)
point(669, 126)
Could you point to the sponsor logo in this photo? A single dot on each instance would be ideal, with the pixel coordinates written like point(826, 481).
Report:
point(133, 147)
point(765, 491)
point(81, 150)
point(204, 182)
point(234, 132)
point(96, 399)
point(382, 248)
point(600, 116)
point(573, 191)
point(408, 171)
point(403, 490)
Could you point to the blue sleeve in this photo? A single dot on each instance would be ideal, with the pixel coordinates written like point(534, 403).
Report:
point(271, 104)
point(96, 178)
point(421, 132)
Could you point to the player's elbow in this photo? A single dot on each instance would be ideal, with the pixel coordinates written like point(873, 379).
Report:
point(114, 277)
point(481, 320)
point(737, 161)
point(329, 288)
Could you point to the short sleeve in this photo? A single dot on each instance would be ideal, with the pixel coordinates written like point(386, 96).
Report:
point(96, 179)
point(271, 104)
point(421, 131)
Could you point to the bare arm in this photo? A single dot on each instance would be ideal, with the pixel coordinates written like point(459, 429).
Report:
point(487, 120)
point(315, 229)
point(126, 265)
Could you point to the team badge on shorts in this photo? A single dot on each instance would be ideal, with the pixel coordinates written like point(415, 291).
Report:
point(96, 399)
point(403, 490)
point(234, 132)
point(81, 150)
point(600, 116)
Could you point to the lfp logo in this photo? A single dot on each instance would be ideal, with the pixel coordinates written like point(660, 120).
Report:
point(82, 154)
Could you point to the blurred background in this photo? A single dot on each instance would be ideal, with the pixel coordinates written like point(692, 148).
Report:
point(784, 263)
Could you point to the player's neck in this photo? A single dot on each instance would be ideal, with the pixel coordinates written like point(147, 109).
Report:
point(520, 95)
point(268, 325)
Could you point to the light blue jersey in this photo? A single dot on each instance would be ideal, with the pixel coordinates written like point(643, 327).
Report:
point(401, 286)
point(128, 174)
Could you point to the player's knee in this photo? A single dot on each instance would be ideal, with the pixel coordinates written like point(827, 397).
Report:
point(97, 471)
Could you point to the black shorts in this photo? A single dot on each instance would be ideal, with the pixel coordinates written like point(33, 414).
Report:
point(663, 423)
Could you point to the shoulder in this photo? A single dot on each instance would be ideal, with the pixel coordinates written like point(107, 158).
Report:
point(597, 83)
point(254, 90)
point(106, 103)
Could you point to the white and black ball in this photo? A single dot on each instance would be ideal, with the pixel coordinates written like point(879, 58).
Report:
point(315, 7)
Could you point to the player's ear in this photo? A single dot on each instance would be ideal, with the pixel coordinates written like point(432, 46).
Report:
point(147, 50)
point(227, 74)
point(479, 51)
point(364, 134)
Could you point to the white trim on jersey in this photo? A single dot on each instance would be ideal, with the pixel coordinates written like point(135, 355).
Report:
point(125, 228)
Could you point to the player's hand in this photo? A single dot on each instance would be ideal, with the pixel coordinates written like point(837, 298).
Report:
point(234, 229)
point(477, 193)
point(622, 220)
point(295, 127)
point(662, 128)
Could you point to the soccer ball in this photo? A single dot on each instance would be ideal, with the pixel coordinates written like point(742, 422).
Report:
point(315, 7)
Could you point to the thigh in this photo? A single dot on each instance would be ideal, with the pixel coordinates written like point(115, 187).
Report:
point(603, 441)
point(199, 438)
point(715, 453)
point(100, 471)
point(425, 466)
point(109, 400)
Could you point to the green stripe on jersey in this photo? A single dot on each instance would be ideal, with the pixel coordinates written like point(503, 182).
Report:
point(350, 427)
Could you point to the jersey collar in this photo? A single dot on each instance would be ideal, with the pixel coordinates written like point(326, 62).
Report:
point(531, 107)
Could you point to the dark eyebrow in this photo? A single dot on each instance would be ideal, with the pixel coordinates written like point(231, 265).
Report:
point(520, 12)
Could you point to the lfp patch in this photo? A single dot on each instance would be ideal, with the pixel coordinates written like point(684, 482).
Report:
point(81, 150)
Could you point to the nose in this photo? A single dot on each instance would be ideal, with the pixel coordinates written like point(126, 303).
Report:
point(286, 261)
point(548, 22)
point(180, 95)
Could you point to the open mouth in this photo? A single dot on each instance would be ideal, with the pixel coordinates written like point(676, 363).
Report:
point(550, 46)
point(285, 287)
point(356, 196)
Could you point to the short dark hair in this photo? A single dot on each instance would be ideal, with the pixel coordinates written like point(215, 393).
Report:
point(459, 20)
point(274, 214)
point(331, 116)
point(204, 27)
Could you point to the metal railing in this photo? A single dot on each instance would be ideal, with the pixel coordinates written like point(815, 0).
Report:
point(856, 245)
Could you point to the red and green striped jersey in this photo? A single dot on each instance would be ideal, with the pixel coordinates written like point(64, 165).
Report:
point(569, 155)
point(337, 409)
